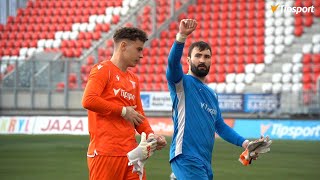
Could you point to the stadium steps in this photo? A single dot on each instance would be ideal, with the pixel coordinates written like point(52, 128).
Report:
point(305, 38)
point(286, 57)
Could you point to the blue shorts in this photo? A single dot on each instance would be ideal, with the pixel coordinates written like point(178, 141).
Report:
point(188, 167)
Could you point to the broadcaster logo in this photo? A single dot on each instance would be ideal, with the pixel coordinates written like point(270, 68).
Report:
point(296, 10)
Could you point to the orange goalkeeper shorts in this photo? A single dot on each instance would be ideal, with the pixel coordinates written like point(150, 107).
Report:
point(111, 168)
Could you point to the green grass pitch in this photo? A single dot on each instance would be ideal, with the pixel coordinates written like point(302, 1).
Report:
point(52, 157)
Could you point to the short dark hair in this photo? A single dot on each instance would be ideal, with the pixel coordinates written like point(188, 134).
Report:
point(130, 33)
point(201, 45)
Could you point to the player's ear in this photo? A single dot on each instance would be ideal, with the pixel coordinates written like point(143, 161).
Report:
point(123, 45)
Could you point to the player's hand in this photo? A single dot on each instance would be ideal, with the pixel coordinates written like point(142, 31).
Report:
point(133, 116)
point(187, 26)
point(253, 149)
point(161, 140)
point(143, 151)
point(265, 147)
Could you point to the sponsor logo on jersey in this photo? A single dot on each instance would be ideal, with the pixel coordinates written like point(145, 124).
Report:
point(116, 91)
point(123, 94)
point(211, 110)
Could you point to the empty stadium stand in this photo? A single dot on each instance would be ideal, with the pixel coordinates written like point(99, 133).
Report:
point(52, 45)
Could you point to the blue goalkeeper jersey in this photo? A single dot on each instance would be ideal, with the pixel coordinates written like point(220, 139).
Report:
point(196, 114)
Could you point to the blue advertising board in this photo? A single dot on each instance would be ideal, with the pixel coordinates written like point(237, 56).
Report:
point(279, 129)
point(145, 99)
point(231, 102)
point(156, 101)
point(261, 102)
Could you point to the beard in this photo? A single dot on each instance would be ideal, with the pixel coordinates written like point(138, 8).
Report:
point(201, 70)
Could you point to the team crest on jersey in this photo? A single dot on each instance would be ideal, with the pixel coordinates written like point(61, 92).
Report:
point(118, 77)
point(133, 84)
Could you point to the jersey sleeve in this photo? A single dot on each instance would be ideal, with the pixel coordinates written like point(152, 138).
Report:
point(92, 100)
point(144, 126)
point(174, 71)
point(226, 132)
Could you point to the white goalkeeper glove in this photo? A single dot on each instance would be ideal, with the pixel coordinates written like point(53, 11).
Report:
point(138, 156)
point(265, 147)
point(143, 150)
point(152, 138)
point(255, 148)
point(138, 168)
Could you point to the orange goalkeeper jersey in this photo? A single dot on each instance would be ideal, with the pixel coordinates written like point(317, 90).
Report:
point(107, 91)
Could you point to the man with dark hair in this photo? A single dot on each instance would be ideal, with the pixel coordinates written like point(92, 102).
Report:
point(200, 46)
point(112, 98)
point(131, 33)
point(196, 114)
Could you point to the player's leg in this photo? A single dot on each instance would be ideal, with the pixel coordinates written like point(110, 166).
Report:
point(188, 167)
point(107, 167)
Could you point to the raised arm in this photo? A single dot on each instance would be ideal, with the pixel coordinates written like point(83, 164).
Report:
point(174, 71)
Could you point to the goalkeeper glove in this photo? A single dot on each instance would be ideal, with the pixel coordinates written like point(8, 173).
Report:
point(138, 156)
point(143, 151)
point(255, 148)
point(152, 138)
point(138, 167)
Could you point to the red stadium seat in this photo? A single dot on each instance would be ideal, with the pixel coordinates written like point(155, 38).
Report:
point(307, 69)
point(250, 40)
point(232, 32)
point(232, 14)
point(240, 59)
point(298, 30)
point(241, 15)
point(307, 78)
point(231, 59)
point(220, 78)
point(220, 68)
point(316, 71)
point(230, 68)
point(316, 59)
point(251, 6)
point(240, 49)
point(72, 78)
point(90, 60)
point(250, 23)
point(249, 59)
point(240, 32)
point(239, 68)
point(250, 32)
point(259, 59)
point(231, 50)
point(308, 21)
point(232, 28)
point(210, 78)
point(307, 59)
point(60, 86)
